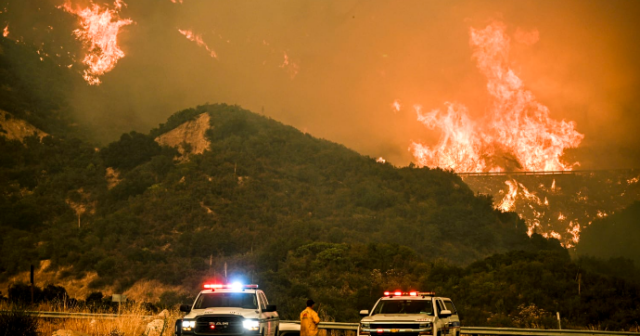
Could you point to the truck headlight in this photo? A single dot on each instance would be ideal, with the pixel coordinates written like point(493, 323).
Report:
point(253, 325)
point(364, 326)
point(425, 326)
point(188, 325)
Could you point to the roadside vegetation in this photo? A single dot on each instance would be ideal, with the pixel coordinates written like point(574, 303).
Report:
point(134, 319)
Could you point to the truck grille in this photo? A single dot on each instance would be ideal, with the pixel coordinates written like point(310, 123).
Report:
point(224, 325)
point(395, 326)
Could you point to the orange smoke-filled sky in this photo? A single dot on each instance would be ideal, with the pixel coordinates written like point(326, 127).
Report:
point(334, 68)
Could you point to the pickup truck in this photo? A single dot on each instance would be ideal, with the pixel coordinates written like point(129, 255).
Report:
point(229, 310)
point(411, 313)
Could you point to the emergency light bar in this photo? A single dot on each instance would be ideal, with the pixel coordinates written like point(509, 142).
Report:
point(236, 286)
point(412, 293)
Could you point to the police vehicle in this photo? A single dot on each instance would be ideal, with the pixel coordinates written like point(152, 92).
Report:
point(412, 313)
point(229, 310)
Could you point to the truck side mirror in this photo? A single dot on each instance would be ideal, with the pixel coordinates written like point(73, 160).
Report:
point(364, 313)
point(445, 313)
point(185, 308)
point(270, 309)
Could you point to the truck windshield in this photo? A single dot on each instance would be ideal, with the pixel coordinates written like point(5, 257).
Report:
point(404, 307)
point(239, 300)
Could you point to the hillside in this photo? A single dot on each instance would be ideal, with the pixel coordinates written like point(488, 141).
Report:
point(260, 190)
point(302, 216)
point(561, 206)
point(614, 236)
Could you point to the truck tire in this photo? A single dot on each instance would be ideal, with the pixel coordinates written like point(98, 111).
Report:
point(178, 328)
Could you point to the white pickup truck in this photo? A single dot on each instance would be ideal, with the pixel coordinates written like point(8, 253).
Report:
point(413, 313)
point(229, 310)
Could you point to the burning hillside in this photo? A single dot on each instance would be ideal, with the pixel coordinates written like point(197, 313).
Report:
point(516, 134)
point(99, 32)
point(560, 205)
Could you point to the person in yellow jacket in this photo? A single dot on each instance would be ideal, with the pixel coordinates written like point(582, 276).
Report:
point(309, 320)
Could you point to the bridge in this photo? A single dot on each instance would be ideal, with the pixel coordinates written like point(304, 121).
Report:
point(545, 172)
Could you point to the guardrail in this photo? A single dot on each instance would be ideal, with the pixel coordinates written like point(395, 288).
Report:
point(65, 315)
point(535, 332)
point(354, 326)
point(493, 330)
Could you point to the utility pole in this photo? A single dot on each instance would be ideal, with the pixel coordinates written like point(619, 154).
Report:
point(579, 281)
point(559, 324)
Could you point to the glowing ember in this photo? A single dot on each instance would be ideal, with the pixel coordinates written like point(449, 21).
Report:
point(561, 217)
point(396, 105)
point(518, 133)
point(176, 1)
point(198, 40)
point(290, 67)
point(99, 31)
point(5, 32)
point(629, 181)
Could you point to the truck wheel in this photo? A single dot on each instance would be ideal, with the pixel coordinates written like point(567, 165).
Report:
point(178, 328)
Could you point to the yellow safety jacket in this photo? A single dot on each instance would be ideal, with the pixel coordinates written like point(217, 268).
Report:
point(309, 320)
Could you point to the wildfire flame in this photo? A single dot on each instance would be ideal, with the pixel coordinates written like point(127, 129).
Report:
point(191, 36)
point(99, 31)
point(509, 200)
point(5, 32)
point(574, 231)
point(518, 133)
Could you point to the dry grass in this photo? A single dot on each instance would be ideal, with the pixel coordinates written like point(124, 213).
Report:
point(133, 321)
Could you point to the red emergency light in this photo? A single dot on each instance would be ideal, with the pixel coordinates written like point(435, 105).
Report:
point(412, 293)
point(230, 286)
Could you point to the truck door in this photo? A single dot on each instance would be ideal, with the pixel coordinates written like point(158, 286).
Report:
point(269, 317)
point(443, 325)
point(454, 320)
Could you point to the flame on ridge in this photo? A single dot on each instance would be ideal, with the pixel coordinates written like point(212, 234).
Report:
point(99, 32)
point(191, 36)
point(518, 133)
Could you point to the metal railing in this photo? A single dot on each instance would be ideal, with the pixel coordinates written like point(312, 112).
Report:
point(543, 172)
point(65, 315)
point(354, 326)
point(493, 330)
point(533, 332)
